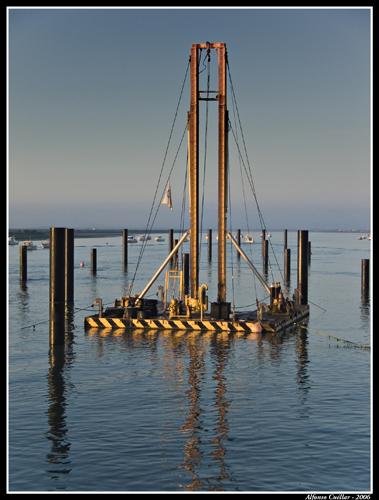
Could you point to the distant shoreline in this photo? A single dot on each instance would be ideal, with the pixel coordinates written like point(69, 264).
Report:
point(43, 234)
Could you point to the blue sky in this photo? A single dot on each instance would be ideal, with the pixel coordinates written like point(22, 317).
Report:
point(92, 96)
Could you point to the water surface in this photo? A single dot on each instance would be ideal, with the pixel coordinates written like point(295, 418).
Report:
point(166, 411)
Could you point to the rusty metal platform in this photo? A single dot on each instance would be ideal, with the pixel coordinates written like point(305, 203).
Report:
point(245, 322)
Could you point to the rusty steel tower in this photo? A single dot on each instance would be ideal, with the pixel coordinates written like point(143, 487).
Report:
point(194, 167)
point(187, 309)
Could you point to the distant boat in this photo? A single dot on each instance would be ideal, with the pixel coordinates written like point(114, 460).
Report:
point(248, 239)
point(29, 245)
point(12, 240)
point(45, 244)
point(131, 239)
point(363, 237)
point(268, 235)
point(159, 238)
point(144, 238)
point(369, 236)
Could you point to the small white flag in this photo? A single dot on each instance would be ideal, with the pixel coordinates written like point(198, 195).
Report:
point(166, 200)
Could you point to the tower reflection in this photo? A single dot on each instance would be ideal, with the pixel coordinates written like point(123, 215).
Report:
point(196, 444)
point(192, 425)
point(60, 359)
point(220, 348)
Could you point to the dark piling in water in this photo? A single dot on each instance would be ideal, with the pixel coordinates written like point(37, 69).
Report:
point(365, 278)
point(265, 255)
point(302, 267)
point(57, 285)
point(285, 240)
point(23, 263)
point(125, 250)
point(287, 266)
point(69, 265)
point(94, 261)
point(209, 245)
point(263, 242)
point(239, 242)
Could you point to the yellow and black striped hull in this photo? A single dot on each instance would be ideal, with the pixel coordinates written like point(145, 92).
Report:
point(172, 324)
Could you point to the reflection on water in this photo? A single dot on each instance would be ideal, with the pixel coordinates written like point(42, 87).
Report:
point(219, 350)
point(302, 376)
point(365, 311)
point(24, 307)
point(192, 359)
point(60, 359)
point(192, 425)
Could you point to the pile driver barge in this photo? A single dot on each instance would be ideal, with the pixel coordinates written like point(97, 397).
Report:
point(190, 309)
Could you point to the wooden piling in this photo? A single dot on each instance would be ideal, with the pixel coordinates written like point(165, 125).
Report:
point(285, 240)
point(171, 244)
point(185, 267)
point(57, 285)
point(365, 278)
point(287, 265)
point(239, 242)
point(23, 263)
point(94, 261)
point(209, 245)
point(69, 265)
point(302, 267)
point(265, 255)
point(125, 250)
point(263, 241)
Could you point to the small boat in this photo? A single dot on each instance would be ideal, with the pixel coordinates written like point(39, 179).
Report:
point(131, 239)
point(144, 238)
point(362, 237)
point(29, 245)
point(159, 238)
point(268, 235)
point(45, 244)
point(369, 236)
point(12, 240)
point(248, 239)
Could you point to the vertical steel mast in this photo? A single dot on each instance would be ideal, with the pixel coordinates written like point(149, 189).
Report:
point(194, 171)
point(194, 167)
point(222, 172)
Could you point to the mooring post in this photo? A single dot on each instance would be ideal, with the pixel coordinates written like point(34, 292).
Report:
point(263, 241)
point(265, 255)
point(285, 239)
point(309, 252)
point(302, 268)
point(209, 245)
point(238, 241)
point(93, 260)
point(125, 250)
point(69, 266)
point(365, 278)
point(57, 285)
point(175, 259)
point(23, 263)
point(287, 265)
point(185, 266)
point(171, 244)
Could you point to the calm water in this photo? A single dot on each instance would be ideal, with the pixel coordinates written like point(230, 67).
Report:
point(171, 411)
